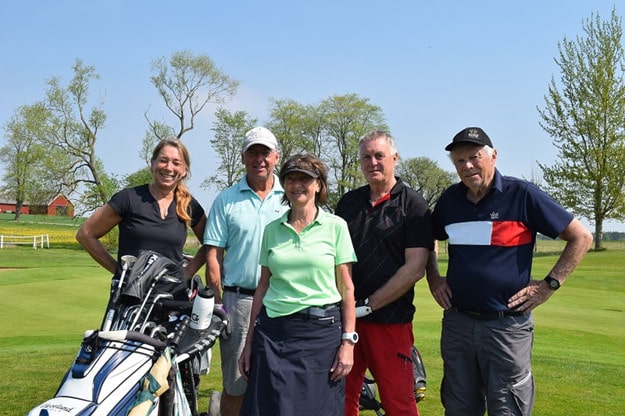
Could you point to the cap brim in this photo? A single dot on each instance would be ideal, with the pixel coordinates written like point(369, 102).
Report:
point(306, 171)
point(456, 143)
point(269, 146)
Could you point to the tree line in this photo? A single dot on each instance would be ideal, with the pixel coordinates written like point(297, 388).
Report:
point(51, 148)
point(50, 144)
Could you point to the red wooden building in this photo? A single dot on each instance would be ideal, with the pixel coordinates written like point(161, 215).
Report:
point(59, 205)
point(7, 205)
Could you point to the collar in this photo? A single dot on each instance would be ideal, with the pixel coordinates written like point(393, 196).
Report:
point(396, 189)
point(322, 215)
point(497, 185)
point(244, 186)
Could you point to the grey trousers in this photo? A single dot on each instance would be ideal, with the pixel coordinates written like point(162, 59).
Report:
point(487, 365)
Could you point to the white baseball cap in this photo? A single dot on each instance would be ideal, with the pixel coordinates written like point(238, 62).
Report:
point(259, 135)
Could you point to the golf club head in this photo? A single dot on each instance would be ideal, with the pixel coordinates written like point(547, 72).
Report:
point(128, 260)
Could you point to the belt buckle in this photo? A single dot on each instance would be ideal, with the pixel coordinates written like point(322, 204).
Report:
point(317, 312)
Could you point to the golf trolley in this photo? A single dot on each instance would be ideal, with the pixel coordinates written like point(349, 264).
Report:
point(140, 362)
point(368, 400)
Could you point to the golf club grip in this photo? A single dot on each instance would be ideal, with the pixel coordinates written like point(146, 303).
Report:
point(203, 344)
point(131, 336)
point(175, 305)
point(180, 331)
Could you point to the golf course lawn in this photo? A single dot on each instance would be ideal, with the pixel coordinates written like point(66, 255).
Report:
point(51, 296)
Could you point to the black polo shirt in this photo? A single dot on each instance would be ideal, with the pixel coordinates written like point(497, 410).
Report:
point(380, 235)
point(142, 228)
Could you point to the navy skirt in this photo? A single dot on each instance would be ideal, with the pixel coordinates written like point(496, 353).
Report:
point(291, 361)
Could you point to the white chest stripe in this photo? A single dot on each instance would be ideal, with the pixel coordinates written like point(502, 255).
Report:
point(477, 233)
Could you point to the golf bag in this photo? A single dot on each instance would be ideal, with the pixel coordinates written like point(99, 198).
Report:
point(140, 362)
point(368, 400)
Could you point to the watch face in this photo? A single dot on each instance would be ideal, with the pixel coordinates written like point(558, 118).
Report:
point(351, 337)
point(554, 284)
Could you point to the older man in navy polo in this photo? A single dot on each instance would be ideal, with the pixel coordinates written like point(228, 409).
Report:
point(491, 222)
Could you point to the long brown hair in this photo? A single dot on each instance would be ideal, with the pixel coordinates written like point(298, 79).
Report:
point(181, 193)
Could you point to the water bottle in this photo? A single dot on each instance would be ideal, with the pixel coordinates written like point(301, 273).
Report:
point(202, 312)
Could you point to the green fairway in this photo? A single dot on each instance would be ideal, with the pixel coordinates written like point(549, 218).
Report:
point(52, 296)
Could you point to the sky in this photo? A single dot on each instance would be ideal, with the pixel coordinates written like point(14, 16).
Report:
point(433, 67)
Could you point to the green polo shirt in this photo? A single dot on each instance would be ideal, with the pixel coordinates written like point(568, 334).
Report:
point(303, 266)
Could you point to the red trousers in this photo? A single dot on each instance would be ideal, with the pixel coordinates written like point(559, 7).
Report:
point(385, 350)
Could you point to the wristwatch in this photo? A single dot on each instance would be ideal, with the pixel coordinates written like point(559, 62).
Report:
point(554, 284)
point(352, 337)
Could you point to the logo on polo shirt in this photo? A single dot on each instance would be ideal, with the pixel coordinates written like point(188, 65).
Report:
point(494, 215)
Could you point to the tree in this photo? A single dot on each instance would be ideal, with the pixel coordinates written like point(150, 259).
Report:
point(425, 176)
point(27, 161)
point(585, 116)
point(345, 119)
point(138, 177)
point(229, 130)
point(296, 126)
point(73, 128)
point(330, 130)
point(187, 83)
point(153, 135)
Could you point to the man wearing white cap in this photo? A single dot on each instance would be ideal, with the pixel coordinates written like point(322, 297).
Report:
point(233, 234)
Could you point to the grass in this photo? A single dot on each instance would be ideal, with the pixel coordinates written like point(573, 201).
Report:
point(51, 296)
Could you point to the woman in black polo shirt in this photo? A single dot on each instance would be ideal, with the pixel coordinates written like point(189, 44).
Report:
point(153, 216)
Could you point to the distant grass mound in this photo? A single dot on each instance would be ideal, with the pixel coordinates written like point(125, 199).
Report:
point(61, 231)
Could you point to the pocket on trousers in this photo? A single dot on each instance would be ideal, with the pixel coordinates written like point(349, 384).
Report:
point(522, 395)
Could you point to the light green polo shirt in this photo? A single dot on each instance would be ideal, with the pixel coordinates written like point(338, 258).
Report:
point(303, 265)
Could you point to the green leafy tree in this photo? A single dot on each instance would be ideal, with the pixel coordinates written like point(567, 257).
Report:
point(108, 185)
point(425, 176)
point(72, 127)
point(153, 135)
point(187, 83)
point(139, 177)
point(23, 156)
point(297, 127)
point(585, 116)
point(229, 128)
point(149, 142)
point(345, 119)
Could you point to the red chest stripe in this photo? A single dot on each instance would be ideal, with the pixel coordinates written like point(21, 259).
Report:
point(489, 233)
point(510, 234)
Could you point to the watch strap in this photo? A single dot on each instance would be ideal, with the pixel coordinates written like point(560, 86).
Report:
point(350, 336)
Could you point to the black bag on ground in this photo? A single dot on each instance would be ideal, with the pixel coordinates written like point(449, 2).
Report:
point(419, 374)
point(368, 399)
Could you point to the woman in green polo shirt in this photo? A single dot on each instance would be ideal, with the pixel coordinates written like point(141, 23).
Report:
point(301, 347)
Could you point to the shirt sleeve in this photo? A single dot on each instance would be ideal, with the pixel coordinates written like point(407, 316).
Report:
point(197, 211)
point(120, 202)
point(216, 231)
point(344, 246)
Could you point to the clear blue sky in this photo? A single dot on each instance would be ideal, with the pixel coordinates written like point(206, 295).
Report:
point(434, 67)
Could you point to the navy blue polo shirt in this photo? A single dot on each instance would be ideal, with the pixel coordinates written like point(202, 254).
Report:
point(380, 235)
point(491, 243)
